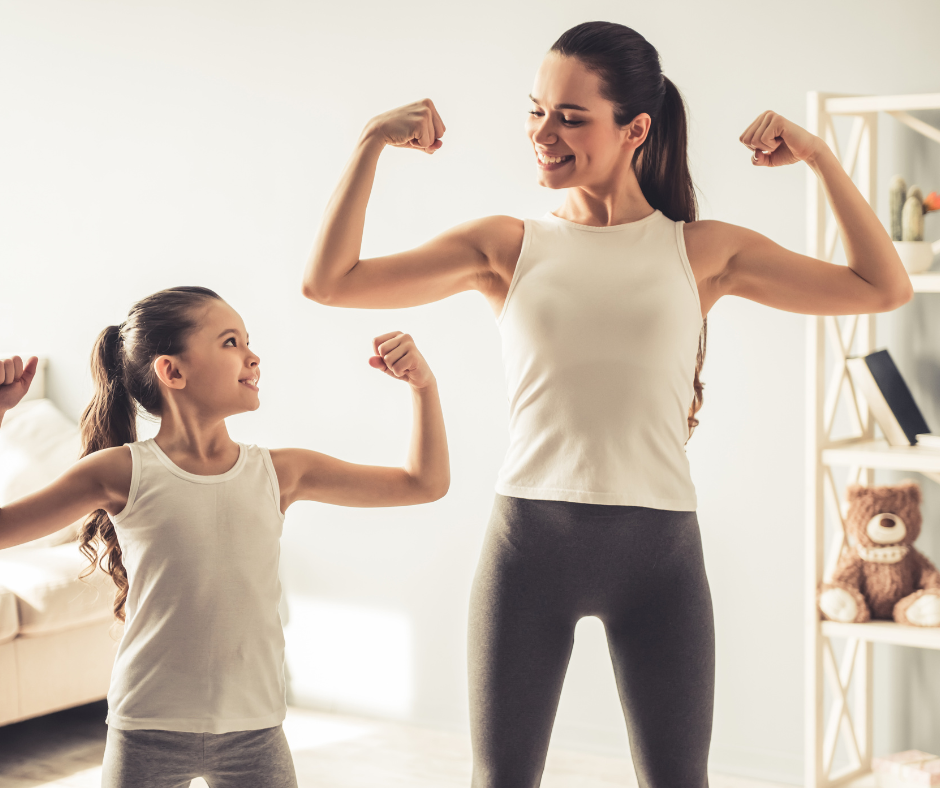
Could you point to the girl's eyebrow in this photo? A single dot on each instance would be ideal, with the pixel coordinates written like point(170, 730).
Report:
point(562, 106)
point(231, 331)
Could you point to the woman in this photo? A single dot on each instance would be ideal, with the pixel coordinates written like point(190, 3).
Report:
point(601, 306)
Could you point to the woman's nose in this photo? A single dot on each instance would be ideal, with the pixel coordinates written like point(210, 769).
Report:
point(544, 133)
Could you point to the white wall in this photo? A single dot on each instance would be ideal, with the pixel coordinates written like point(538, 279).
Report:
point(153, 144)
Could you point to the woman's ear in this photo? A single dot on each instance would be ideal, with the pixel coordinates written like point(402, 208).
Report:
point(168, 372)
point(637, 130)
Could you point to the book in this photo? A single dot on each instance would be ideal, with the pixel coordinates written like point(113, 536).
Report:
point(890, 400)
point(928, 440)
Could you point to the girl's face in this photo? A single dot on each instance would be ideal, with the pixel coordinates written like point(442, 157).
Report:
point(572, 128)
point(217, 373)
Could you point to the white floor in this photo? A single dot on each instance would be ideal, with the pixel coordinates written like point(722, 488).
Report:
point(65, 749)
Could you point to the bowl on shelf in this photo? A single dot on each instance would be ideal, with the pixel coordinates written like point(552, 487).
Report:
point(916, 256)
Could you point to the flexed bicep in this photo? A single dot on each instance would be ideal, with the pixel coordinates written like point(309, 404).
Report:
point(753, 266)
point(469, 256)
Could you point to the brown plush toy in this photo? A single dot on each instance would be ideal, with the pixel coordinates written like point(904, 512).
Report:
point(880, 575)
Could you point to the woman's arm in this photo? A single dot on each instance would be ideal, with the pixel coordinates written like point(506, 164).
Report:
point(738, 261)
point(305, 475)
point(467, 257)
point(99, 481)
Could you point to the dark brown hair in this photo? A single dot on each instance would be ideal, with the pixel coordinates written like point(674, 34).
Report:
point(632, 80)
point(124, 379)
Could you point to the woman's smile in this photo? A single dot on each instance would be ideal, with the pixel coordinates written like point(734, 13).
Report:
point(549, 162)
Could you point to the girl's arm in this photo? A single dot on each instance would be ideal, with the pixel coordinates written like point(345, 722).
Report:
point(736, 261)
point(471, 256)
point(99, 481)
point(305, 475)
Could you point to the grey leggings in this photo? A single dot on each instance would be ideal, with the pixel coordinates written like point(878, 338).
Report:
point(546, 564)
point(171, 759)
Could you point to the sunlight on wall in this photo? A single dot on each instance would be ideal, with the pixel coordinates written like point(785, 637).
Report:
point(309, 730)
point(342, 657)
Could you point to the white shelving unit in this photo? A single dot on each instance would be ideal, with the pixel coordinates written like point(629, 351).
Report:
point(850, 677)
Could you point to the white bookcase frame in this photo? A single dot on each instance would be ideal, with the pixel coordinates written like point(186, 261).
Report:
point(862, 454)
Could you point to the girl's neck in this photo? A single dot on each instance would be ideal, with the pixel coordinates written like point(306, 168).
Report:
point(195, 444)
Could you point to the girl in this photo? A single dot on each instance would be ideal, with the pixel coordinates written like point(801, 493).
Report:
point(601, 305)
point(188, 524)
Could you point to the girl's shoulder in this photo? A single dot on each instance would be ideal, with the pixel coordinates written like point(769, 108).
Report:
point(115, 459)
point(113, 470)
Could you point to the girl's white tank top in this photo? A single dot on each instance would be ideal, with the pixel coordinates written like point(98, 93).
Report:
point(600, 333)
point(203, 646)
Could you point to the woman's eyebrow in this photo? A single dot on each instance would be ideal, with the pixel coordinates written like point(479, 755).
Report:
point(231, 331)
point(562, 106)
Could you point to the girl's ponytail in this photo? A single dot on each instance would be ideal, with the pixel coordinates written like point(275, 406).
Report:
point(109, 420)
point(111, 417)
point(632, 80)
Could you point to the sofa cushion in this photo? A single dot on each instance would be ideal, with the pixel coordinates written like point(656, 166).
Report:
point(9, 618)
point(37, 444)
point(49, 594)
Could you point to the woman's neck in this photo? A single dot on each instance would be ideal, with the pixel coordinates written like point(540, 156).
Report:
point(617, 202)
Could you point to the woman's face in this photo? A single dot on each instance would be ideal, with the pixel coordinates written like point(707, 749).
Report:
point(572, 129)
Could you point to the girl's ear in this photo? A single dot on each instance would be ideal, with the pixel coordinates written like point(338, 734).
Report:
point(168, 372)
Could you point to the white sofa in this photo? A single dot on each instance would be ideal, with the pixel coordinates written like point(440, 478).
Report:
point(58, 635)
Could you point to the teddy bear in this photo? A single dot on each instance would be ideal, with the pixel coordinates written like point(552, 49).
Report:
point(880, 575)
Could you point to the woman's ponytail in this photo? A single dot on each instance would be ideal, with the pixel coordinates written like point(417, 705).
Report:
point(662, 161)
point(662, 170)
point(632, 80)
point(109, 420)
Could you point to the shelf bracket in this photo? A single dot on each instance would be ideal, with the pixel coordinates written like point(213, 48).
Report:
point(931, 132)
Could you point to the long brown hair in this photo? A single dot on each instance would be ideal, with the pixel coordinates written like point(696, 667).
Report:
point(632, 80)
point(124, 380)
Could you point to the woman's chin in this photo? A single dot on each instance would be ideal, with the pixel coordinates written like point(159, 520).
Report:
point(552, 181)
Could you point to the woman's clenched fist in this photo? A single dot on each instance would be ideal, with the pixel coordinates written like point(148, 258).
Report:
point(415, 125)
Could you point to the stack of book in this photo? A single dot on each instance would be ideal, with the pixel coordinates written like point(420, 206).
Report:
point(877, 378)
point(907, 769)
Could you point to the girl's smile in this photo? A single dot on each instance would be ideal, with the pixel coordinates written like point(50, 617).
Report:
point(252, 382)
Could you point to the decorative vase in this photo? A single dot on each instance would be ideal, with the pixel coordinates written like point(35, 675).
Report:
point(916, 256)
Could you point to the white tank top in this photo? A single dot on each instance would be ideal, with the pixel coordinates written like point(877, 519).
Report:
point(203, 647)
point(600, 334)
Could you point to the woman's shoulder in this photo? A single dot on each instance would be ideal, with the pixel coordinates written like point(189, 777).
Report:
point(498, 231)
point(499, 239)
point(709, 244)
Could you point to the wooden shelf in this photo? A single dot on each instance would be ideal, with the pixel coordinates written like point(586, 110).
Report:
point(878, 454)
point(926, 283)
point(836, 721)
point(885, 632)
point(855, 105)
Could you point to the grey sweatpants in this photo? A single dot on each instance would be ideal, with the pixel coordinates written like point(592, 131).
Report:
point(171, 759)
point(546, 564)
